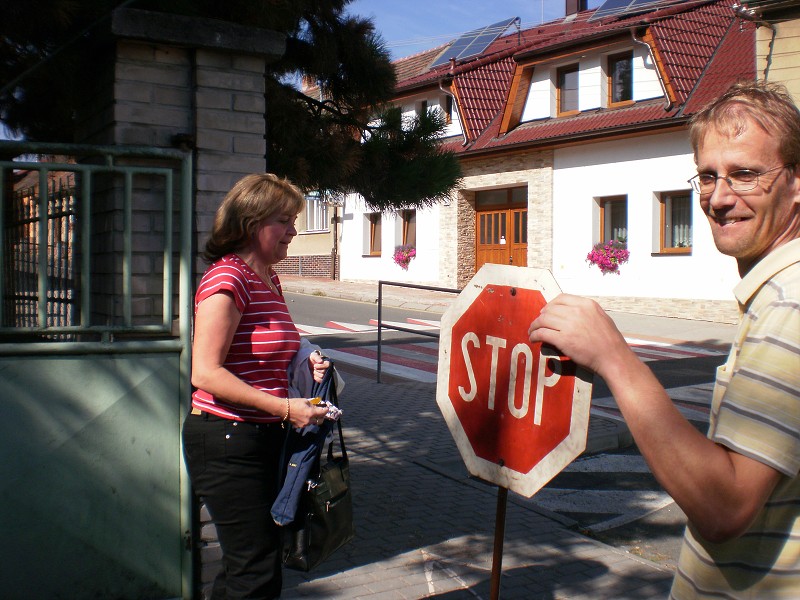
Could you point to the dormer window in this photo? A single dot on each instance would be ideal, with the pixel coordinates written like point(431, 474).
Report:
point(620, 78)
point(567, 86)
point(448, 109)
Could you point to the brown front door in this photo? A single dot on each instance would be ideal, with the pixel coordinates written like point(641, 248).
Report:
point(502, 237)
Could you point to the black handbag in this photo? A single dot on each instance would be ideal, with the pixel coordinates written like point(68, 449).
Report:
point(324, 520)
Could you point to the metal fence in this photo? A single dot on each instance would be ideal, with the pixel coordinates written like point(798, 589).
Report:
point(72, 265)
point(382, 325)
point(22, 250)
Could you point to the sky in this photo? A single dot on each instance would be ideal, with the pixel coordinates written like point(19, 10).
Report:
point(411, 26)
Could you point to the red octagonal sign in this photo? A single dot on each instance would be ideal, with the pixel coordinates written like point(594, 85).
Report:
point(519, 414)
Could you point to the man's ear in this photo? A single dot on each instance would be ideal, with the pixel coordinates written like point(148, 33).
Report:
point(795, 184)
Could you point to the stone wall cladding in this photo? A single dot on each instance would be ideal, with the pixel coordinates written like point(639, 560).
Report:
point(533, 169)
point(715, 311)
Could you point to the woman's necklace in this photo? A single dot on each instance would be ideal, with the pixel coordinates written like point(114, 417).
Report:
point(265, 273)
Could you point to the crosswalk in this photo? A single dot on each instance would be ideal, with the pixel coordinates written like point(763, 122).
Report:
point(419, 361)
point(596, 493)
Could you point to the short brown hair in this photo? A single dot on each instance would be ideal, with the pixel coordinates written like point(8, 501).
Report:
point(250, 201)
point(767, 104)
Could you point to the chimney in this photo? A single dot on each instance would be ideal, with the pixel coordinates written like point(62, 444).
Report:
point(574, 6)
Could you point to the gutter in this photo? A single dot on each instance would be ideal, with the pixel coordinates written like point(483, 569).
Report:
point(668, 106)
point(457, 108)
point(665, 126)
point(755, 16)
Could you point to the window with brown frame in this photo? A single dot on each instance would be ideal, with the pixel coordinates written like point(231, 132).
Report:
point(448, 109)
point(567, 90)
point(620, 78)
point(614, 219)
point(409, 222)
point(373, 231)
point(676, 222)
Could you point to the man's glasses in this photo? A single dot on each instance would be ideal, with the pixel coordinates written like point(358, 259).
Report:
point(742, 180)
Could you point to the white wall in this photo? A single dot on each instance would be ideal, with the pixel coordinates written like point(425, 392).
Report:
point(436, 100)
point(645, 77)
point(640, 168)
point(592, 84)
point(424, 269)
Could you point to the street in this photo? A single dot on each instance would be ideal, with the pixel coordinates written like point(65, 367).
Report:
point(610, 496)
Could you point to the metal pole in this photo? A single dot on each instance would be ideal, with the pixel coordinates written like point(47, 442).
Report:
point(499, 535)
point(380, 321)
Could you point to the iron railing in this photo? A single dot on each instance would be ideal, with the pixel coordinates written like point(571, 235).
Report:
point(382, 325)
point(54, 259)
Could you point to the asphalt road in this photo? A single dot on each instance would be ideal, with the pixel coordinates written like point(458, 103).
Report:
point(604, 484)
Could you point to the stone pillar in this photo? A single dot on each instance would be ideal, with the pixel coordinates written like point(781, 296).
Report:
point(169, 81)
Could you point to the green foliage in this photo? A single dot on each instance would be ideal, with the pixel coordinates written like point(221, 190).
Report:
point(51, 63)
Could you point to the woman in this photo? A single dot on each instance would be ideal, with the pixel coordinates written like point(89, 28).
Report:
point(244, 341)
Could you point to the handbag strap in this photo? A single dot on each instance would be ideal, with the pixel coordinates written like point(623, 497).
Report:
point(326, 389)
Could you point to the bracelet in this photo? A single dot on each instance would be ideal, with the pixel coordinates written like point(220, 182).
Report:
point(286, 416)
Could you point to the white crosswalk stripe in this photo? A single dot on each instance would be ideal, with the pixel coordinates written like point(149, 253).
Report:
point(616, 503)
point(415, 362)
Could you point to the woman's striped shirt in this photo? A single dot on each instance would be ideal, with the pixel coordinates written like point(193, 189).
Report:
point(265, 341)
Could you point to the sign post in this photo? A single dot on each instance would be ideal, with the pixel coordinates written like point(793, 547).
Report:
point(518, 412)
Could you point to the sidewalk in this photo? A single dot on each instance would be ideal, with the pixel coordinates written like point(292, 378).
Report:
point(424, 529)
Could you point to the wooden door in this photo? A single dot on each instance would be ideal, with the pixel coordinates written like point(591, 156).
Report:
point(502, 237)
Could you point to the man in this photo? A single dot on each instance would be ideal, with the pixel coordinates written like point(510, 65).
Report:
point(739, 487)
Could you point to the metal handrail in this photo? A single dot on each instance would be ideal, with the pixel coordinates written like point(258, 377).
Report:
point(398, 327)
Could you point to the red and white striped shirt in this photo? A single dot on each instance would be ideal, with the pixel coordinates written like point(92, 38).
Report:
point(264, 343)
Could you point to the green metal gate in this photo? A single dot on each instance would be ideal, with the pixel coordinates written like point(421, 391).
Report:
point(95, 309)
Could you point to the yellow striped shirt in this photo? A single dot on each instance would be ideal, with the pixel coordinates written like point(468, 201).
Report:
point(755, 411)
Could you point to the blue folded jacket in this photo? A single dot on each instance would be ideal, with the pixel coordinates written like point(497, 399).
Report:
point(302, 450)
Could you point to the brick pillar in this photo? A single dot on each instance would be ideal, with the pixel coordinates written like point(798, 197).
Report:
point(230, 128)
point(169, 81)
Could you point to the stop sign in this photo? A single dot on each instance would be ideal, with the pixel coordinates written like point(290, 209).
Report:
point(519, 412)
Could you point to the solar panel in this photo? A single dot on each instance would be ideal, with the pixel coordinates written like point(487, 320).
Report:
point(474, 42)
point(623, 7)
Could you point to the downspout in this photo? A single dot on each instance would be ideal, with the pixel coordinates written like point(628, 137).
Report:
point(455, 107)
point(669, 104)
point(750, 14)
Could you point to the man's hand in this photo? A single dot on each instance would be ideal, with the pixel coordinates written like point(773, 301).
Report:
point(581, 330)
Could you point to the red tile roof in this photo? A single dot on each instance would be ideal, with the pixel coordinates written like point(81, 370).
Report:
point(700, 45)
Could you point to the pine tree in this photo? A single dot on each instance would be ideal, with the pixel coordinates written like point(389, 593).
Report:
point(338, 134)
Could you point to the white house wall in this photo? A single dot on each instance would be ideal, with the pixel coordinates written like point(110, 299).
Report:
point(356, 265)
point(639, 168)
point(592, 82)
point(646, 84)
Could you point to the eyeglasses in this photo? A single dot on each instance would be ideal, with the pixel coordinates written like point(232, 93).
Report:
point(742, 180)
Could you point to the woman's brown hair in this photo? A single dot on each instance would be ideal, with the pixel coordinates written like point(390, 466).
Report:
point(250, 201)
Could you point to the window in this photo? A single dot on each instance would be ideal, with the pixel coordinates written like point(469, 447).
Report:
point(422, 107)
point(372, 231)
point(620, 78)
point(567, 89)
point(448, 109)
point(408, 219)
point(316, 213)
point(614, 219)
point(676, 222)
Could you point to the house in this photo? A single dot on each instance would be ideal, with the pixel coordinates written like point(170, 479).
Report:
point(777, 41)
point(570, 134)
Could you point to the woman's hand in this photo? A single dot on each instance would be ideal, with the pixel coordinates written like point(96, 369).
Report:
point(318, 365)
point(302, 413)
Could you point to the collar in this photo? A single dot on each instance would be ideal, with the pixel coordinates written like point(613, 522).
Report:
point(766, 268)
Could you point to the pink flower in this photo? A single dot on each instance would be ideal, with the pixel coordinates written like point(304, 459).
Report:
point(609, 256)
point(403, 255)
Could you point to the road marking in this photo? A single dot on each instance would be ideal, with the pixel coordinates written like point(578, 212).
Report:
point(603, 509)
point(419, 361)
